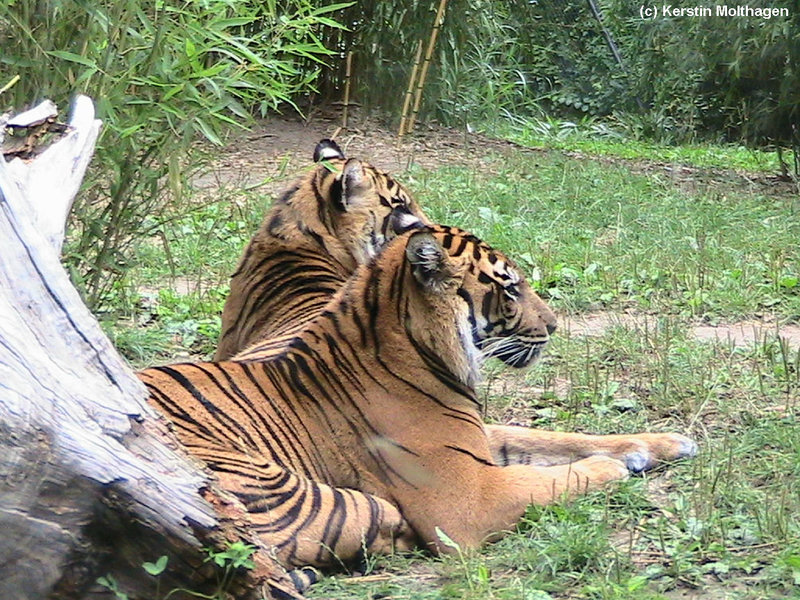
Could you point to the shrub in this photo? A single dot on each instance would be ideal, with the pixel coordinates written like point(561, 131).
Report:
point(161, 73)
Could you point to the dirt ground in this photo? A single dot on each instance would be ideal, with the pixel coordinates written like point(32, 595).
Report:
point(274, 152)
point(740, 333)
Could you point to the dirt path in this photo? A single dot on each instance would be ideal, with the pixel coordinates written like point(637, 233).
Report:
point(276, 151)
point(737, 334)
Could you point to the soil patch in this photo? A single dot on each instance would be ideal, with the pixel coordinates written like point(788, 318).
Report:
point(738, 334)
point(277, 149)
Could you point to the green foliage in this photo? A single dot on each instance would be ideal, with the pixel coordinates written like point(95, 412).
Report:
point(162, 74)
point(572, 67)
point(680, 79)
point(616, 138)
point(235, 556)
point(486, 77)
point(739, 77)
point(493, 59)
point(110, 583)
point(561, 539)
point(157, 568)
point(477, 71)
point(197, 68)
point(171, 300)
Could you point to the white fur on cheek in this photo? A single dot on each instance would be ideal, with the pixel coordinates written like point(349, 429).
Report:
point(471, 373)
point(365, 251)
point(407, 220)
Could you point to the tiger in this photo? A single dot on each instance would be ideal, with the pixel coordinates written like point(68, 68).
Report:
point(364, 434)
point(339, 215)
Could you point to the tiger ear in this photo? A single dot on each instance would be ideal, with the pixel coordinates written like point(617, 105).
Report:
point(326, 150)
point(354, 184)
point(429, 262)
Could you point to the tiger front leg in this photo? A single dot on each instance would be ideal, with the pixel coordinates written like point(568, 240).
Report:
point(471, 512)
point(511, 445)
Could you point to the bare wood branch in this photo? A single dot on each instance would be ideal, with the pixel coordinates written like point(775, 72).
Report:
point(89, 475)
point(35, 116)
point(53, 179)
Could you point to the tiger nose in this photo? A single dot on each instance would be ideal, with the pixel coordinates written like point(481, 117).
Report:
point(551, 327)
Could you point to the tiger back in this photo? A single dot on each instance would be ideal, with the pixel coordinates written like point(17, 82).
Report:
point(336, 217)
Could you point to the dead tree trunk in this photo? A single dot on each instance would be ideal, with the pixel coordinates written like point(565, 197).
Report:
point(91, 481)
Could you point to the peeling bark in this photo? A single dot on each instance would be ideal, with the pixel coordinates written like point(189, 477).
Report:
point(91, 481)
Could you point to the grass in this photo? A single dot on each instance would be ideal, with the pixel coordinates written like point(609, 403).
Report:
point(597, 235)
point(169, 304)
point(597, 138)
point(590, 235)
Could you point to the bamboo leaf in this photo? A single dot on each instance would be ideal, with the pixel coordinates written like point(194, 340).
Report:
point(330, 8)
point(234, 22)
point(208, 132)
point(72, 57)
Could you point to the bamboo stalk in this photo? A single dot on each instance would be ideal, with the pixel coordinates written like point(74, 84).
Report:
point(410, 90)
point(13, 82)
point(610, 42)
point(437, 24)
point(347, 89)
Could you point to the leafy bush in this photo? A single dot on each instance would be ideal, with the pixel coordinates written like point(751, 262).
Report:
point(681, 79)
point(493, 58)
point(732, 77)
point(161, 73)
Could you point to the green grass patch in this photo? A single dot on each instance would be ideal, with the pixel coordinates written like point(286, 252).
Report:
point(599, 139)
point(169, 303)
point(592, 235)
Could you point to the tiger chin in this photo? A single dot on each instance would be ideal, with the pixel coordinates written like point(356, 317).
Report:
point(365, 434)
point(338, 216)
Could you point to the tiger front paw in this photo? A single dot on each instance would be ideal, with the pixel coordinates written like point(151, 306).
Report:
point(601, 469)
point(651, 449)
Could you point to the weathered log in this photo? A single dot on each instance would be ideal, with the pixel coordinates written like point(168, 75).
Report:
point(91, 481)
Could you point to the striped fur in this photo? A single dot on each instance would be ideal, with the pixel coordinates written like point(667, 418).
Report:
point(364, 432)
point(336, 217)
point(321, 443)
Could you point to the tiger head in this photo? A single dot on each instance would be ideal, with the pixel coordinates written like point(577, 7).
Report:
point(349, 207)
point(335, 218)
point(458, 279)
